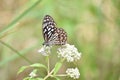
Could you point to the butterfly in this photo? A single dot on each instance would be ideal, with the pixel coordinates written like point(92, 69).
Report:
point(52, 35)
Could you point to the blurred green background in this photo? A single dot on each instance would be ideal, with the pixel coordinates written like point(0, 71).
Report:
point(93, 26)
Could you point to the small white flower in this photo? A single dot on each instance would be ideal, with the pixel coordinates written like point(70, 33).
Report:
point(32, 74)
point(45, 50)
point(73, 73)
point(69, 52)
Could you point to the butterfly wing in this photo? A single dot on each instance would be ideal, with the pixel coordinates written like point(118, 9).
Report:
point(53, 35)
point(48, 27)
point(59, 37)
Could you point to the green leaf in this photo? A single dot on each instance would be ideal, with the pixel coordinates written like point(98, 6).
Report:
point(38, 65)
point(27, 78)
point(33, 65)
point(34, 71)
point(57, 78)
point(57, 67)
point(38, 78)
point(22, 69)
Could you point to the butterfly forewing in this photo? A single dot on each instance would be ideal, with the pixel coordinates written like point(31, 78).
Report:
point(53, 35)
point(48, 27)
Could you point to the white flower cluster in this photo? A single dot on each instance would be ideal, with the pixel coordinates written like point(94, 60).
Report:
point(32, 74)
point(69, 52)
point(45, 50)
point(73, 73)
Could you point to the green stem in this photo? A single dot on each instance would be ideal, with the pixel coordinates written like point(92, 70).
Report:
point(48, 64)
point(61, 75)
point(49, 74)
point(17, 52)
point(11, 25)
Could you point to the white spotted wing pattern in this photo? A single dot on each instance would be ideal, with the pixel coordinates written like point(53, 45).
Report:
point(53, 35)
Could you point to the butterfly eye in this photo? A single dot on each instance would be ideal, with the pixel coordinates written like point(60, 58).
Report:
point(53, 35)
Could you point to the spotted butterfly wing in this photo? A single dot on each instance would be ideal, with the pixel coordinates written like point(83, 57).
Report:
point(53, 35)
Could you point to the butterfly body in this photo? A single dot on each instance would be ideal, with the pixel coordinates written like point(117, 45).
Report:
point(53, 35)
